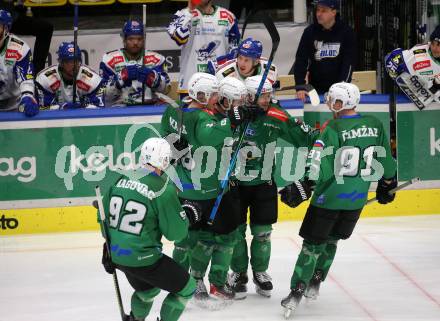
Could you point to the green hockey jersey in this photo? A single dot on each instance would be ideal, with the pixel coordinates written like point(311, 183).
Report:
point(138, 214)
point(210, 136)
point(351, 152)
point(256, 162)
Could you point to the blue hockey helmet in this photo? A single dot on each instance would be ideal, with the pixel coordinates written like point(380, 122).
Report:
point(332, 4)
point(66, 51)
point(6, 18)
point(435, 35)
point(250, 48)
point(132, 28)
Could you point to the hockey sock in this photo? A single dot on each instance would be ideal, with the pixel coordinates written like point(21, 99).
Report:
point(306, 263)
point(326, 258)
point(240, 257)
point(221, 257)
point(201, 254)
point(142, 301)
point(260, 247)
point(174, 303)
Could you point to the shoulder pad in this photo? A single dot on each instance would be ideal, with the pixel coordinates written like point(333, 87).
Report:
point(153, 58)
point(113, 58)
point(226, 14)
point(87, 79)
point(49, 78)
point(277, 113)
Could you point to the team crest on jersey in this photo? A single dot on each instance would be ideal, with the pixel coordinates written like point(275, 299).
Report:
point(326, 50)
point(207, 51)
point(422, 64)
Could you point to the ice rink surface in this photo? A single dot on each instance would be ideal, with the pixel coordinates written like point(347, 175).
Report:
point(388, 270)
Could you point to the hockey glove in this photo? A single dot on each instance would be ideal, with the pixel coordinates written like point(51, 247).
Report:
point(296, 193)
point(382, 195)
point(109, 267)
point(240, 114)
point(71, 105)
point(28, 105)
point(129, 73)
point(193, 211)
point(149, 76)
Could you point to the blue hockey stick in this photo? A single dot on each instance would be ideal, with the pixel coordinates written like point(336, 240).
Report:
point(275, 37)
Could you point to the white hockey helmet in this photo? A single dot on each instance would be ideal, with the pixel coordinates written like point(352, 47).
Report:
point(232, 89)
point(201, 86)
point(156, 152)
point(252, 84)
point(347, 93)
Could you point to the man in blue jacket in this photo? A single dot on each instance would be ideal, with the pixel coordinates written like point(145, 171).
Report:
point(327, 50)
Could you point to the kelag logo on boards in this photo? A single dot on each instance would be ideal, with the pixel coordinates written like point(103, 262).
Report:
point(8, 223)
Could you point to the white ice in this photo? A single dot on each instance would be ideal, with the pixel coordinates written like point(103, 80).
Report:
point(388, 270)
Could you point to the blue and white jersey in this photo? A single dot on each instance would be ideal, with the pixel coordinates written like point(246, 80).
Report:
point(113, 62)
point(202, 38)
point(53, 91)
point(16, 72)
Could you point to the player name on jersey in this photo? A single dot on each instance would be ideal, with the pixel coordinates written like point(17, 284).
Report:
point(360, 132)
point(138, 186)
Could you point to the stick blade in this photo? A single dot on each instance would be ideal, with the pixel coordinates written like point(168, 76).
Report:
point(314, 98)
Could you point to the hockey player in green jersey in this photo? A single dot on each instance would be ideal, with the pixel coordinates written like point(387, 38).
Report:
point(207, 133)
point(352, 151)
point(140, 212)
point(258, 191)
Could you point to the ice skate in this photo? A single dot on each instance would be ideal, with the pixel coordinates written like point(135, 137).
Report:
point(291, 302)
point(263, 283)
point(222, 292)
point(312, 291)
point(203, 300)
point(237, 281)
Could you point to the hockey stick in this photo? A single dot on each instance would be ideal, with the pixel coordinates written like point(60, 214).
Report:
point(274, 35)
point(398, 188)
point(75, 44)
point(311, 92)
point(144, 22)
point(414, 88)
point(124, 317)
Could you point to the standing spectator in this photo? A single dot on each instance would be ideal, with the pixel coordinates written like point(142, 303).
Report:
point(326, 52)
point(55, 83)
point(17, 90)
point(204, 32)
point(127, 76)
point(30, 26)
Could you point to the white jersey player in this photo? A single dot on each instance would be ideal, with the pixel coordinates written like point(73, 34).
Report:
point(247, 63)
point(126, 75)
point(55, 83)
point(421, 67)
point(204, 32)
point(17, 88)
